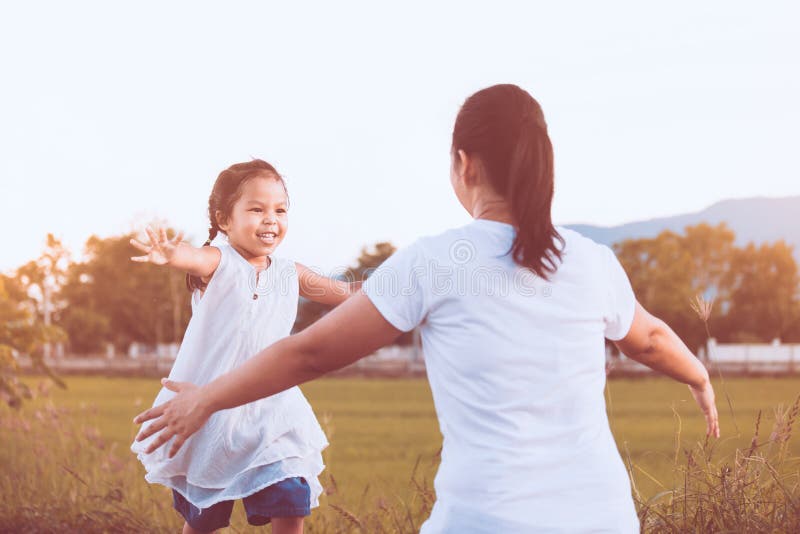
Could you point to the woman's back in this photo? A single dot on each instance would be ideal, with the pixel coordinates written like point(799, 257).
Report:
point(517, 370)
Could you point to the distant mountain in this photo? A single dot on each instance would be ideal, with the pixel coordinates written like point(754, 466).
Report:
point(752, 219)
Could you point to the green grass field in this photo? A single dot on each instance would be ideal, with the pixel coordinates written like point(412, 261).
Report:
point(378, 430)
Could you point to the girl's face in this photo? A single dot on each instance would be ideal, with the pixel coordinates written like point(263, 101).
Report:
point(259, 219)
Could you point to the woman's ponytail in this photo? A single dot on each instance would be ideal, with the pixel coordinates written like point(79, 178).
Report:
point(504, 127)
point(530, 193)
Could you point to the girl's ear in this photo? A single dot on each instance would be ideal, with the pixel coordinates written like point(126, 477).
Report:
point(222, 221)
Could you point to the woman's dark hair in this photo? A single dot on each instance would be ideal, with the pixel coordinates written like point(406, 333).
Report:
point(226, 191)
point(504, 128)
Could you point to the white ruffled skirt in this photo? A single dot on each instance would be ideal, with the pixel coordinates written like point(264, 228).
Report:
point(241, 451)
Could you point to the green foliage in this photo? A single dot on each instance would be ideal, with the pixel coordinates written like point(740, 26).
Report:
point(88, 330)
point(764, 290)
point(755, 289)
point(370, 259)
point(21, 333)
point(662, 274)
point(40, 279)
point(113, 300)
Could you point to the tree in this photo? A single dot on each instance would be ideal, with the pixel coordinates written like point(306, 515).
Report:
point(41, 280)
point(711, 249)
point(369, 260)
point(764, 292)
point(755, 289)
point(792, 334)
point(119, 301)
point(21, 332)
point(661, 271)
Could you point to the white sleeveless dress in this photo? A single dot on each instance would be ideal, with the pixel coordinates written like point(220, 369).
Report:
point(241, 450)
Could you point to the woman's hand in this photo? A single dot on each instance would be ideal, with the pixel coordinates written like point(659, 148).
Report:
point(160, 250)
point(704, 395)
point(180, 417)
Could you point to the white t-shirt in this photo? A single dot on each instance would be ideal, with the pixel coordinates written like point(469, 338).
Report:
point(516, 366)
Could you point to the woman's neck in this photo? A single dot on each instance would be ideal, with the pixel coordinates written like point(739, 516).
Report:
point(493, 210)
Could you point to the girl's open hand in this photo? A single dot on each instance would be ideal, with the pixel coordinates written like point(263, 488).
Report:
point(160, 250)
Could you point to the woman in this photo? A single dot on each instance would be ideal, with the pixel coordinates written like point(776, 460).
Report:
point(513, 314)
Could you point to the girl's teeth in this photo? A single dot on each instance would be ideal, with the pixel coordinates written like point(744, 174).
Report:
point(270, 238)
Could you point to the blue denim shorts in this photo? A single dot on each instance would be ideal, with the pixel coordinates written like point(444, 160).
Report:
point(288, 498)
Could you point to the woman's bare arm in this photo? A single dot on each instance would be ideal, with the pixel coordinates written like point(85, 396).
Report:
point(351, 331)
point(652, 342)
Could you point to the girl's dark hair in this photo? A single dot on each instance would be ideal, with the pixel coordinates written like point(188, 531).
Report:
point(504, 128)
point(226, 191)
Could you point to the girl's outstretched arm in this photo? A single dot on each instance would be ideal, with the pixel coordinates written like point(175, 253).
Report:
point(174, 252)
point(322, 289)
point(346, 334)
point(652, 342)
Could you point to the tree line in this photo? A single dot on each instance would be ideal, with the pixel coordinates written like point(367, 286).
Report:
point(755, 288)
point(107, 299)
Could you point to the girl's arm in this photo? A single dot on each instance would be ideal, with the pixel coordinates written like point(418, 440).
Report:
point(322, 289)
point(174, 252)
point(652, 342)
point(346, 334)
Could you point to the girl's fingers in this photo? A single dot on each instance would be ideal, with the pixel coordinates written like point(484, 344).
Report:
point(162, 233)
point(140, 258)
point(141, 246)
point(178, 238)
point(152, 235)
point(159, 424)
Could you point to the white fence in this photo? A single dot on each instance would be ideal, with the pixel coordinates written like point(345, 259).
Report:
point(735, 358)
point(753, 353)
point(740, 358)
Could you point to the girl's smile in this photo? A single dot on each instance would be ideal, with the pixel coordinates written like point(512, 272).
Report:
point(259, 219)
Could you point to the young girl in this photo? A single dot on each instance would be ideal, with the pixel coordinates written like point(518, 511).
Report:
point(243, 298)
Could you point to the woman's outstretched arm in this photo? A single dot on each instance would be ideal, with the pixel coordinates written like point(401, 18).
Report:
point(351, 331)
point(652, 342)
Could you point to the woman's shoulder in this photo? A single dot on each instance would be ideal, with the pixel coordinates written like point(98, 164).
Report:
point(575, 242)
point(463, 244)
point(431, 244)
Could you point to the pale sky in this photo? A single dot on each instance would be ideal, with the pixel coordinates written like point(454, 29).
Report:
point(112, 115)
